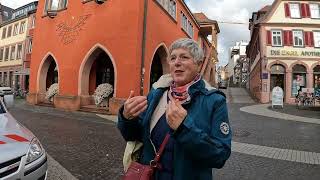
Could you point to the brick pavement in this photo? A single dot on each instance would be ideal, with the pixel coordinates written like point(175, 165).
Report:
point(277, 153)
point(263, 110)
point(65, 136)
point(265, 151)
point(88, 146)
point(311, 112)
point(247, 167)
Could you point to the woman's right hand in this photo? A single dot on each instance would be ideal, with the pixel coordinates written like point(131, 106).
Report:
point(134, 105)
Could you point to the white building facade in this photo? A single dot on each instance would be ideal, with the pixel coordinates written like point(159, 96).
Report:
point(236, 62)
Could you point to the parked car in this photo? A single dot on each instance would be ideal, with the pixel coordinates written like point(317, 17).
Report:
point(5, 91)
point(21, 153)
point(223, 84)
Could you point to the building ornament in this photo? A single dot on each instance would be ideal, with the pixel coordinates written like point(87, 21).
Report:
point(68, 32)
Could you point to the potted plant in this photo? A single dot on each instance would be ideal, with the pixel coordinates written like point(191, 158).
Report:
point(102, 93)
point(52, 91)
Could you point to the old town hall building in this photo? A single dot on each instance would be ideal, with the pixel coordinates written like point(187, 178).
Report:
point(80, 44)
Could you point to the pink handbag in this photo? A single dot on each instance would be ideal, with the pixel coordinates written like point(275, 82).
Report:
point(137, 171)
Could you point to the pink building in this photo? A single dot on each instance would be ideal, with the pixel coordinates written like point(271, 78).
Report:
point(284, 49)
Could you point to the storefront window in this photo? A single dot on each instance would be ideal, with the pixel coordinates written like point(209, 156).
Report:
point(298, 79)
point(316, 82)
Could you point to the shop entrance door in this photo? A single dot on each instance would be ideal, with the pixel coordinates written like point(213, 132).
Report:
point(277, 78)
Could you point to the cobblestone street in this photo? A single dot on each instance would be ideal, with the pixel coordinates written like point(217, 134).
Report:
point(90, 146)
point(68, 67)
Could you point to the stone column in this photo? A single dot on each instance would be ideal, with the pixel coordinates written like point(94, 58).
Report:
point(1, 80)
point(288, 85)
point(309, 78)
point(8, 79)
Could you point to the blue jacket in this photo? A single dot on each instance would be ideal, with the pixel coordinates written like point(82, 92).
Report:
point(203, 140)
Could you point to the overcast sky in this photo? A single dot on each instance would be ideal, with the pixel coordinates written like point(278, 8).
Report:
point(220, 10)
point(230, 11)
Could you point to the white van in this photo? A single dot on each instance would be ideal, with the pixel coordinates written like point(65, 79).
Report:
point(21, 153)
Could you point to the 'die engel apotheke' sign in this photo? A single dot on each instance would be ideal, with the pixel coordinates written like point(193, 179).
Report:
point(300, 53)
point(277, 96)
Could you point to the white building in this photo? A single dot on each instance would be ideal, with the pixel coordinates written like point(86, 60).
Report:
point(237, 56)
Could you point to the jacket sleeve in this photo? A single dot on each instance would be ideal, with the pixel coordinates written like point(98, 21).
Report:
point(208, 150)
point(131, 130)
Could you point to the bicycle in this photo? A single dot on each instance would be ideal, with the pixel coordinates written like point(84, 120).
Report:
point(21, 93)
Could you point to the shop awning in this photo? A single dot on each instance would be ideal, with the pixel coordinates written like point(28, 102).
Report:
point(22, 72)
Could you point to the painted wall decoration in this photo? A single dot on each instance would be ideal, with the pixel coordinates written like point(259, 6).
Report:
point(69, 31)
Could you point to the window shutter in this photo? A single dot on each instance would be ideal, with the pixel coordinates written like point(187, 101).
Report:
point(303, 10)
point(308, 14)
point(285, 38)
point(311, 39)
point(290, 38)
point(306, 39)
point(268, 37)
point(287, 9)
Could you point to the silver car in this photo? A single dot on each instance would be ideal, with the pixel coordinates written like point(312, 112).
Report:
point(21, 154)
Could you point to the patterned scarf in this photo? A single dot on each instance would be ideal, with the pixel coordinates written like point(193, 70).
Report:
point(181, 93)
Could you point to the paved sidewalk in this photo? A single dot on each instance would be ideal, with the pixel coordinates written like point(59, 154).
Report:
point(310, 112)
point(238, 95)
point(262, 110)
point(56, 171)
point(277, 153)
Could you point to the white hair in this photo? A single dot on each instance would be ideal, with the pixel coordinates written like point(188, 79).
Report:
point(190, 45)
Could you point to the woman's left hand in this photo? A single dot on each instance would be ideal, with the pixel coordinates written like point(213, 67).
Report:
point(175, 114)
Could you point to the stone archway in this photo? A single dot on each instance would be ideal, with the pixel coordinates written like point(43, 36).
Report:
point(97, 68)
point(159, 65)
point(48, 74)
point(278, 77)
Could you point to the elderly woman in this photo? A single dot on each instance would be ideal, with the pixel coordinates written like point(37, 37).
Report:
point(189, 109)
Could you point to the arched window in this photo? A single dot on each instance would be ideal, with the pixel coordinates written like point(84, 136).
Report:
point(298, 79)
point(277, 69)
point(316, 79)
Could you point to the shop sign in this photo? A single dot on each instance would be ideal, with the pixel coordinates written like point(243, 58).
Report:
point(295, 53)
point(277, 96)
point(264, 76)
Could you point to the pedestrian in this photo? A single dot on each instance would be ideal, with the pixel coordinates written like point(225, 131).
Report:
point(186, 107)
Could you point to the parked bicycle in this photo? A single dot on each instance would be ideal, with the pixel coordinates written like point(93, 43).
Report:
point(305, 99)
point(20, 93)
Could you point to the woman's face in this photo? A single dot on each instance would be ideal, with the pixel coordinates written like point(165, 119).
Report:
point(183, 69)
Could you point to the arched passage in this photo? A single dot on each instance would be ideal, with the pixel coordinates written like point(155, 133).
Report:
point(48, 74)
point(96, 69)
point(159, 65)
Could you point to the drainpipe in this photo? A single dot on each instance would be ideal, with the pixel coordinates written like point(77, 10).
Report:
point(143, 48)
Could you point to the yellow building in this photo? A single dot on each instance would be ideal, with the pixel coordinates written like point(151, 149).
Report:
point(16, 45)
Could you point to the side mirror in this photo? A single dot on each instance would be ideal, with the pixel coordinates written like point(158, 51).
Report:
point(8, 101)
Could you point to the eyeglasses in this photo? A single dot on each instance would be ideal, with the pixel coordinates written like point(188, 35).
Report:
point(182, 58)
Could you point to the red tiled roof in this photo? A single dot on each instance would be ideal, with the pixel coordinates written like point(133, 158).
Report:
point(200, 17)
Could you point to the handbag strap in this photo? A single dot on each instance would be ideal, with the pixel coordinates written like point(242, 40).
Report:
point(154, 162)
